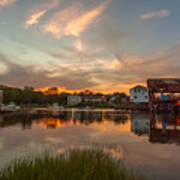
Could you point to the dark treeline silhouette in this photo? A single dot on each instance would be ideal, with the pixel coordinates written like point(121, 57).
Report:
point(29, 96)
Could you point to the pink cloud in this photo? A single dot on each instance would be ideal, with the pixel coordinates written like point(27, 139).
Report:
point(34, 18)
point(155, 14)
point(40, 10)
point(6, 2)
point(73, 20)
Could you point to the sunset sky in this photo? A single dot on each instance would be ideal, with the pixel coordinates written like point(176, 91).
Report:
point(100, 45)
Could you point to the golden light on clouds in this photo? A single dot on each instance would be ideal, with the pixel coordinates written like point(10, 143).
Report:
point(78, 45)
point(72, 21)
point(79, 24)
point(34, 18)
point(155, 14)
point(115, 87)
point(4, 68)
point(110, 65)
point(47, 90)
point(40, 9)
point(6, 2)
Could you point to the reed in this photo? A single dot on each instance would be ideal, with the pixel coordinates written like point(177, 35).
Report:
point(72, 165)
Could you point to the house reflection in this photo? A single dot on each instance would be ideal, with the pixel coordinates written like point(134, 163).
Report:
point(165, 128)
point(140, 124)
point(161, 128)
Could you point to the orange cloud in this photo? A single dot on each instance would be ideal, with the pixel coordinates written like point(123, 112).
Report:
point(40, 9)
point(78, 45)
point(155, 14)
point(115, 87)
point(79, 24)
point(6, 2)
point(72, 21)
point(47, 90)
point(34, 18)
point(110, 65)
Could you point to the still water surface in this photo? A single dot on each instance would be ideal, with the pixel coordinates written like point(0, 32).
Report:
point(148, 144)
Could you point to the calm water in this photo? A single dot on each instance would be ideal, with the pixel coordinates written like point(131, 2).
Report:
point(148, 144)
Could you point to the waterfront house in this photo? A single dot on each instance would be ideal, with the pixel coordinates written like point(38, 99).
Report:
point(139, 94)
point(11, 107)
point(73, 100)
point(94, 99)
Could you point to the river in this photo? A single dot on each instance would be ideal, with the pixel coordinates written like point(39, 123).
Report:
point(148, 144)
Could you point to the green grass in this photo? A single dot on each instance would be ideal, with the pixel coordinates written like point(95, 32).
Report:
point(72, 165)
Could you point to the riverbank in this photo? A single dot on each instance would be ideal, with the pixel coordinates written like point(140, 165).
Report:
point(47, 110)
point(72, 165)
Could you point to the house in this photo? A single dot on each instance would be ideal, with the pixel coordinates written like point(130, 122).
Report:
point(125, 99)
point(52, 90)
point(11, 107)
point(94, 99)
point(121, 98)
point(73, 100)
point(139, 94)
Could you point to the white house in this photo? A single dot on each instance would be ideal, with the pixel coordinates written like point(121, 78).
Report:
point(10, 107)
point(139, 94)
point(73, 100)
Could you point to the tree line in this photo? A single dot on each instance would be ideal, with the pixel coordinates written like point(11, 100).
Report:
point(29, 96)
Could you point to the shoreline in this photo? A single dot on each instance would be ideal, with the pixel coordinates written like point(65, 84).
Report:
point(56, 110)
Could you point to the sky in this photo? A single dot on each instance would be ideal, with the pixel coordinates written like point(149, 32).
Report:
point(101, 45)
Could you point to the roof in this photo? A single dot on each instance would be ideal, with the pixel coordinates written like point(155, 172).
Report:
point(171, 85)
point(167, 80)
point(138, 87)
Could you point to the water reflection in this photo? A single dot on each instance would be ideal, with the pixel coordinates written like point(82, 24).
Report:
point(161, 128)
point(136, 138)
point(63, 119)
point(140, 124)
point(165, 128)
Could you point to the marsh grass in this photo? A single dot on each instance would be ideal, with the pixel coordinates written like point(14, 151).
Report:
point(72, 165)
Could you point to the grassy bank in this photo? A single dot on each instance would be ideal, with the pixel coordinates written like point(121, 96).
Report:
point(73, 165)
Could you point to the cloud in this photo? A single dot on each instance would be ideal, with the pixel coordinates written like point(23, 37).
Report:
point(39, 10)
point(7, 2)
point(155, 14)
point(108, 38)
point(19, 75)
point(78, 45)
point(73, 20)
point(34, 18)
point(88, 70)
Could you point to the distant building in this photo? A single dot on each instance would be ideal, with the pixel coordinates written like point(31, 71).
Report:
point(94, 99)
point(73, 100)
point(118, 99)
point(11, 107)
point(125, 99)
point(112, 100)
point(52, 90)
point(139, 94)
